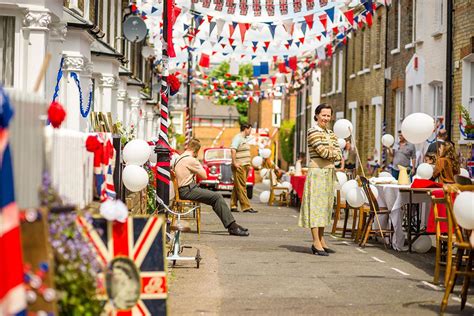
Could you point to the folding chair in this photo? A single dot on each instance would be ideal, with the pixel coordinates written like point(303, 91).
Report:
point(275, 187)
point(179, 206)
point(337, 214)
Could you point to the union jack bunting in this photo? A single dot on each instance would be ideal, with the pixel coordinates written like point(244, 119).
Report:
point(257, 8)
point(270, 7)
point(206, 3)
point(140, 241)
point(284, 6)
point(297, 6)
point(309, 5)
point(12, 291)
point(322, 3)
point(219, 5)
point(231, 9)
point(195, 1)
point(243, 7)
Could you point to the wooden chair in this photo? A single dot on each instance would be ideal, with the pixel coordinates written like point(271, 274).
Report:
point(463, 246)
point(178, 205)
point(275, 187)
point(337, 214)
point(442, 241)
point(374, 209)
point(363, 215)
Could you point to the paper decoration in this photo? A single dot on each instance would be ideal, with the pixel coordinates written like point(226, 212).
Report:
point(257, 8)
point(204, 61)
point(269, 5)
point(349, 14)
point(309, 20)
point(309, 5)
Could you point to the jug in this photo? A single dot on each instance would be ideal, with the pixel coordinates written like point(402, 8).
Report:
point(403, 176)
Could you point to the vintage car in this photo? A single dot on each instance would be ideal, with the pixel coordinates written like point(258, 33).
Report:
point(218, 165)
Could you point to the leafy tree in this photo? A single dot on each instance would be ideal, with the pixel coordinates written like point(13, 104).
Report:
point(287, 135)
point(240, 102)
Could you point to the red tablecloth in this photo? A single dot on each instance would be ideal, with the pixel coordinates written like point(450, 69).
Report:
point(297, 182)
point(431, 226)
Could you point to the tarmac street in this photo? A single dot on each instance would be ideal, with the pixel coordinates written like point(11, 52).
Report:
point(273, 272)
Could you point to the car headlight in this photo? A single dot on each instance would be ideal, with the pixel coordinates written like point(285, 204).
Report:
point(213, 170)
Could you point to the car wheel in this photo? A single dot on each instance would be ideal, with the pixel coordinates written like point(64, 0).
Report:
point(250, 191)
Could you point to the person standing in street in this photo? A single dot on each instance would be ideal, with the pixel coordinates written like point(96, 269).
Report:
point(318, 195)
point(404, 156)
point(240, 168)
point(186, 167)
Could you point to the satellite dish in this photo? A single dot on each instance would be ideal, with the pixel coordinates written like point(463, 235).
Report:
point(134, 29)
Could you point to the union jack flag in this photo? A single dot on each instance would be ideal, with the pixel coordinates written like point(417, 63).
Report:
point(257, 8)
point(219, 4)
point(309, 4)
point(284, 6)
point(12, 292)
point(243, 7)
point(206, 3)
point(141, 239)
point(270, 7)
point(297, 6)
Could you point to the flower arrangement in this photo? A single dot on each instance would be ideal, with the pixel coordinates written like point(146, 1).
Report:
point(469, 124)
point(126, 134)
point(76, 266)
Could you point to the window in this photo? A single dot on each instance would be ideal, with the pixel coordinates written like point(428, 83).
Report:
point(412, 22)
point(396, 26)
point(378, 44)
point(339, 71)
point(276, 113)
point(334, 72)
point(353, 44)
point(400, 109)
point(367, 45)
point(7, 49)
point(439, 17)
point(437, 104)
point(362, 55)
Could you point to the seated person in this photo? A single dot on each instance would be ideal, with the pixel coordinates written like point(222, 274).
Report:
point(280, 173)
point(447, 165)
point(186, 167)
point(430, 158)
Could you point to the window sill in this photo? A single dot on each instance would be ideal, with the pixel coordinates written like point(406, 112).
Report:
point(377, 66)
point(395, 51)
point(339, 91)
point(366, 70)
point(411, 45)
point(352, 76)
point(323, 95)
point(360, 73)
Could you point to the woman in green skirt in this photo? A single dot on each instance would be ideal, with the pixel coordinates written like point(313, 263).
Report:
point(318, 195)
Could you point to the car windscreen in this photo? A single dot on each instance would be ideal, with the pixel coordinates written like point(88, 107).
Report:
point(217, 154)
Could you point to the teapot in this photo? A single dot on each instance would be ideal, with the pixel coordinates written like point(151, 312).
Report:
point(403, 177)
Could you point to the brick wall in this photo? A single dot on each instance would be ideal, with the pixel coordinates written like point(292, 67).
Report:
point(463, 31)
point(334, 96)
point(207, 135)
point(365, 79)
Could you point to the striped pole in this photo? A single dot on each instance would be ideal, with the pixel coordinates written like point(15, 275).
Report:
point(162, 148)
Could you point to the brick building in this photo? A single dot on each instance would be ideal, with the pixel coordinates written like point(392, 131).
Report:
point(463, 62)
point(365, 84)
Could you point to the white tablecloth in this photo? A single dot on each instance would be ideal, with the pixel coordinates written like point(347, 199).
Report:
point(391, 198)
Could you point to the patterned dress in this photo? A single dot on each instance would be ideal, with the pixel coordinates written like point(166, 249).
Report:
point(318, 195)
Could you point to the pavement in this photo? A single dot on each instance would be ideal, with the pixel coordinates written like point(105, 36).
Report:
point(272, 272)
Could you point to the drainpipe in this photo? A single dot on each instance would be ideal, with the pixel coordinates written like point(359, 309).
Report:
point(385, 86)
point(345, 77)
point(449, 68)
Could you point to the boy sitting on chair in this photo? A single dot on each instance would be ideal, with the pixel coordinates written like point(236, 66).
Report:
point(186, 167)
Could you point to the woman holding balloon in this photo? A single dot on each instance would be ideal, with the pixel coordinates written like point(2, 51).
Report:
point(318, 195)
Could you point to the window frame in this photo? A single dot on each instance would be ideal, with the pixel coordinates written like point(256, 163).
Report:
point(15, 51)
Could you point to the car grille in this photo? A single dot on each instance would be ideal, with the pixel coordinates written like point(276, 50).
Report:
point(226, 173)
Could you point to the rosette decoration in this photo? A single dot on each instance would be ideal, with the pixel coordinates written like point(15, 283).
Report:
point(174, 84)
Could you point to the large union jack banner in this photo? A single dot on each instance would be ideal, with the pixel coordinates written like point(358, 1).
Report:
point(140, 241)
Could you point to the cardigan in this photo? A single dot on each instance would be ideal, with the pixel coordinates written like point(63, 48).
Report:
point(323, 145)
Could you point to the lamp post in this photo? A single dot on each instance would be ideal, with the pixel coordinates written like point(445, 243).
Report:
point(162, 148)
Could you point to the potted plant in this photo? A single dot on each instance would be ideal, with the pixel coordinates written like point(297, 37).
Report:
point(469, 124)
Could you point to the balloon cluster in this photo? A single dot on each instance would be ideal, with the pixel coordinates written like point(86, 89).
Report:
point(135, 154)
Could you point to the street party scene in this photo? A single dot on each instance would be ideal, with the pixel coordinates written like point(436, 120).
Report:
point(236, 157)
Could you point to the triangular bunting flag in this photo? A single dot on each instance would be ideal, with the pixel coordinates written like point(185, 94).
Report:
point(288, 25)
point(324, 20)
point(267, 43)
point(330, 13)
point(254, 49)
point(202, 41)
point(254, 43)
point(233, 47)
point(185, 26)
point(303, 28)
point(273, 79)
point(231, 41)
point(298, 44)
point(197, 19)
point(349, 14)
point(290, 41)
point(272, 29)
point(212, 25)
point(231, 29)
point(219, 38)
point(220, 26)
point(287, 46)
point(309, 20)
point(301, 39)
point(368, 19)
point(368, 6)
point(243, 29)
point(209, 18)
point(153, 9)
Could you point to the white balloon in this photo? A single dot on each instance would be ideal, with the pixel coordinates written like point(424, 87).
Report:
point(266, 152)
point(114, 210)
point(374, 190)
point(341, 177)
point(257, 161)
point(265, 196)
point(153, 155)
point(135, 178)
point(422, 244)
point(264, 173)
point(388, 140)
point(266, 182)
point(464, 209)
point(355, 197)
point(341, 142)
point(424, 171)
point(417, 127)
point(465, 173)
point(136, 152)
point(385, 174)
point(346, 187)
point(343, 128)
